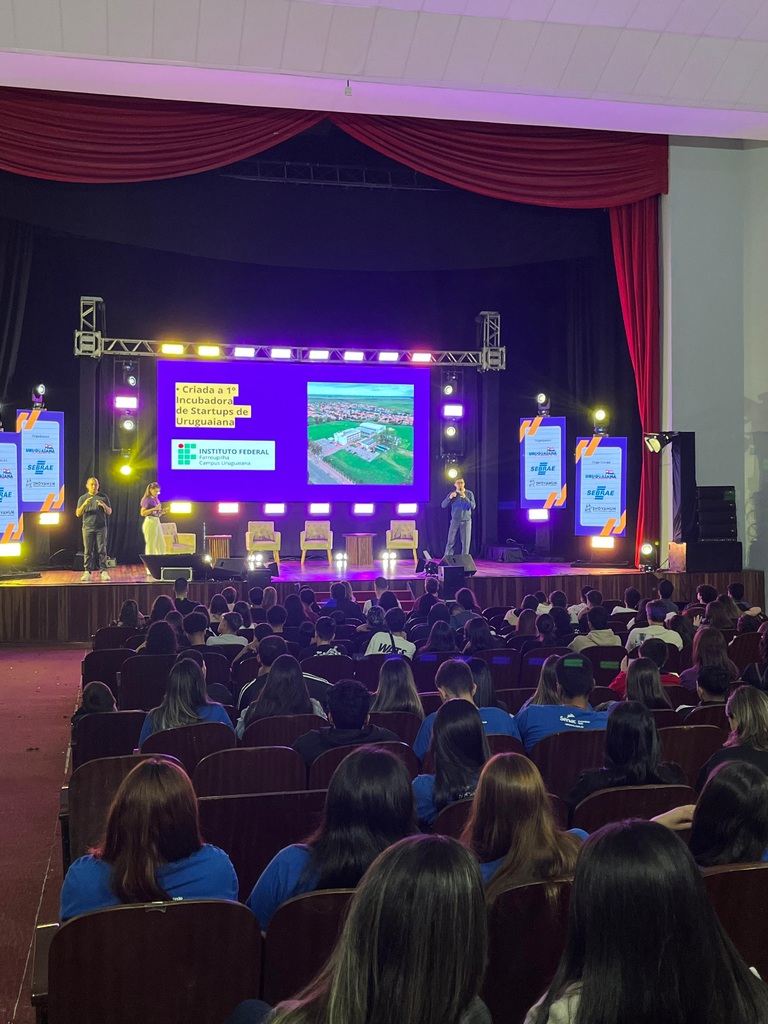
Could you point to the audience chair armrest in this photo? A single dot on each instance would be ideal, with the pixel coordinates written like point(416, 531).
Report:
point(66, 846)
point(43, 937)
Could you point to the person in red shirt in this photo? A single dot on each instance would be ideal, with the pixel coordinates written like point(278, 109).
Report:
point(655, 649)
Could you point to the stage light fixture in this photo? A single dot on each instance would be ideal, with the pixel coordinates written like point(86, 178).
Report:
point(281, 353)
point(407, 509)
point(12, 550)
point(649, 561)
point(128, 422)
point(655, 442)
point(453, 472)
point(363, 509)
point(130, 377)
point(538, 515)
point(244, 352)
point(125, 469)
point(274, 509)
point(605, 543)
point(599, 422)
point(543, 404)
point(209, 351)
point(38, 397)
point(421, 357)
point(49, 518)
point(453, 411)
point(354, 357)
point(450, 430)
point(171, 349)
point(228, 508)
point(127, 402)
point(208, 559)
point(388, 357)
point(319, 508)
point(448, 388)
point(318, 355)
point(180, 507)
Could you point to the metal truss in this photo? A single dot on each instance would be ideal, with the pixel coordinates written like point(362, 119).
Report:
point(90, 341)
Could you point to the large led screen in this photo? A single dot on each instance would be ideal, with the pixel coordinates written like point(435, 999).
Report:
point(292, 432)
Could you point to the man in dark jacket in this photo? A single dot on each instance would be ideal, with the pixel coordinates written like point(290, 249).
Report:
point(348, 705)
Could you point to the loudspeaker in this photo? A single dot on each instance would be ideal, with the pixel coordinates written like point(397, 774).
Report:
point(259, 577)
point(706, 556)
point(466, 562)
point(451, 578)
point(233, 565)
point(684, 487)
point(201, 570)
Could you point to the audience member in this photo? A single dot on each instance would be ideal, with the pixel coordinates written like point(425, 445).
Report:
point(512, 829)
point(397, 690)
point(160, 608)
point(161, 639)
point(380, 587)
point(656, 613)
point(732, 609)
point(255, 601)
point(454, 681)
point(266, 653)
point(716, 616)
point(748, 623)
point(195, 625)
point(594, 600)
point(295, 612)
point(460, 749)
point(216, 608)
point(665, 589)
point(638, 901)
point(683, 625)
point(438, 613)
point(709, 649)
point(424, 965)
point(655, 649)
point(130, 617)
point(575, 610)
point(644, 685)
point(729, 822)
point(529, 604)
point(388, 600)
point(485, 694)
point(276, 617)
point(543, 637)
point(322, 641)
point(392, 639)
point(747, 713)
point(430, 596)
point(218, 693)
point(736, 593)
point(341, 602)
point(600, 634)
point(558, 599)
point(374, 622)
point(230, 596)
point(368, 807)
point(97, 698)
point(348, 706)
point(632, 598)
point(181, 596)
point(284, 692)
point(152, 848)
point(243, 609)
point(525, 632)
point(441, 640)
point(705, 594)
point(464, 609)
point(310, 606)
point(546, 689)
point(574, 685)
point(176, 621)
point(185, 702)
point(269, 598)
point(229, 626)
point(633, 755)
point(479, 637)
point(756, 673)
point(564, 628)
point(712, 687)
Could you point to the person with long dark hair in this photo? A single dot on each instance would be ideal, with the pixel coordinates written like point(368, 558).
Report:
point(709, 648)
point(185, 702)
point(546, 688)
point(747, 713)
point(160, 639)
point(152, 848)
point(756, 674)
point(638, 913)
point(460, 749)
point(130, 616)
point(176, 621)
point(485, 692)
point(397, 690)
point(284, 693)
point(633, 755)
point(729, 824)
point(369, 806)
point(150, 510)
point(160, 608)
point(412, 948)
point(644, 685)
point(512, 829)
point(525, 632)
point(479, 637)
point(218, 606)
point(309, 604)
point(442, 640)
point(295, 612)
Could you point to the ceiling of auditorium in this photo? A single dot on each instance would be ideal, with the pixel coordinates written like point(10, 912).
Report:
point(687, 67)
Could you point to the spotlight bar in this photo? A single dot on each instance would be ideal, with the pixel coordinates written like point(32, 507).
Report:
point(603, 542)
point(172, 349)
point(365, 509)
point(407, 509)
point(319, 508)
point(12, 550)
point(389, 357)
point(317, 355)
point(281, 353)
point(126, 402)
point(181, 507)
point(274, 509)
point(209, 351)
point(49, 518)
point(243, 352)
point(354, 357)
point(228, 508)
point(453, 411)
point(538, 515)
point(421, 357)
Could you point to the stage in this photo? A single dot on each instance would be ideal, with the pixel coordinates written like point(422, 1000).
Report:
point(58, 608)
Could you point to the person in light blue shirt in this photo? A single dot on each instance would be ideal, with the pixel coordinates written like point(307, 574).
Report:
point(462, 504)
point(152, 848)
point(185, 703)
point(454, 680)
point(575, 682)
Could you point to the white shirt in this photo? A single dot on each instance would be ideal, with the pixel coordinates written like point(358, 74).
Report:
point(595, 638)
point(381, 643)
point(575, 611)
point(640, 633)
point(226, 638)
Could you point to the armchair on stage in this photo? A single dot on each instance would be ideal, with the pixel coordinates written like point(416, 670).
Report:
point(263, 537)
point(402, 533)
point(178, 543)
point(316, 537)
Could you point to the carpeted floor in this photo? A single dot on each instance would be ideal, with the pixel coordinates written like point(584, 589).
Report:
point(38, 690)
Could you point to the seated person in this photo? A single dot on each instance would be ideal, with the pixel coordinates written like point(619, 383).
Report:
point(369, 806)
point(397, 690)
point(574, 684)
point(665, 590)
point(652, 648)
point(632, 755)
point(530, 603)
point(322, 641)
point(464, 609)
point(380, 587)
point(229, 625)
point(97, 699)
point(348, 705)
point(594, 600)
point(430, 596)
point(374, 622)
point(152, 848)
point(176, 621)
point(185, 702)
point(656, 613)
point(575, 610)
point(276, 617)
point(454, 681)
point(479, 637)
point(632, 598)
point(736, 593)
point(161, 640)
point(392, 639)
point(266, 652)
point(600, 634)
point(340, 601)
point(130, 617)
point(311, 607)
point(460, 750)
point(195, 626)
point(283, 693)
point(217, 692)
point(181, 596)
point(747, 713)
point(441, 640)
point(712, 687)
point(709, 648)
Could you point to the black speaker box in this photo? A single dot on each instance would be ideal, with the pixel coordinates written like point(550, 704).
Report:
point(706, 556)
point(466, 562)
point(259, 577)
point(451, 577)
point(233, 565)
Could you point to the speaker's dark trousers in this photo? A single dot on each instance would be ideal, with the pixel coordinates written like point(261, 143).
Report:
point(95, 548)
point(463, 528)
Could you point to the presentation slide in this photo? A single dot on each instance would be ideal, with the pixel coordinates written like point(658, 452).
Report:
point(542, 462)
point(601, 486)
point(292, 432)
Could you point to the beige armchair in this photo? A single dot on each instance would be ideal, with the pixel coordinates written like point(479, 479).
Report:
point(263, 537)
point(402, 533)
point(178, 543)
point(316, 536)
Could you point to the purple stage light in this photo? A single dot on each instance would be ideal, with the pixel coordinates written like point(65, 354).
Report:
point(453, 411)
point(421, 357)
point(364, 509)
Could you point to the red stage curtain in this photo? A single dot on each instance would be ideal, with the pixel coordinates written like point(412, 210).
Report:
point(635, 236)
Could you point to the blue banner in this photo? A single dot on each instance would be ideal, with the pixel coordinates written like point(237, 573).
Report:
point(41, 459)
point(601, 486)
point(11, 523)
point(542, 462)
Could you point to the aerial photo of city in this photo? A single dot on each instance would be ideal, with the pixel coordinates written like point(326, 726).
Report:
point(359, 433)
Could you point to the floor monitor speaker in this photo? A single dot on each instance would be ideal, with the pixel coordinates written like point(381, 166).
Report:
point(466, 562)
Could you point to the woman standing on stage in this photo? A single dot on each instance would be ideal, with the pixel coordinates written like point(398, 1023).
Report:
point(151, 510)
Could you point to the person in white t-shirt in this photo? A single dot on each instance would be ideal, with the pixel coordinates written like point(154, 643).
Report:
point(575, 610)
point(392, 639)
point(228, 627)
point(656, 613)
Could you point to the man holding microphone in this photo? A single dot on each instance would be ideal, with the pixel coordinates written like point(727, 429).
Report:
point(461, 503)
point(93, 508)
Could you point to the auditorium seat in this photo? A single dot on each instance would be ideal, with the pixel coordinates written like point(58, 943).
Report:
point(332, 667)
point(253, 828)
point(601, 695)
point(401, 723)
point(679, 695)
point(452, 819)
point(425, 666)
point(142, 681)
point(713, 715)
point(190, 743)
point(367, 669)
point(430, 702)
point(158, 963)
point(527, 928)
point(501, 743)
point(531, 662)
point(323, 767)
point(739, 894)
point(250, 770)
point(563, 756)
point(621, 802)
point(606, 664)
point(743, 650)
point(104, 665)
point(108, 734)
point(280, 730)
point(111, 636)
point(514, 699)
point(665, 717)
point(300, 938)
point(690, 746)
point(504, 666)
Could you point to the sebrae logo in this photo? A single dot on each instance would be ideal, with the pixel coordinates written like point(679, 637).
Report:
point(600, 493)
point(543, 468)
point(39, 467)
